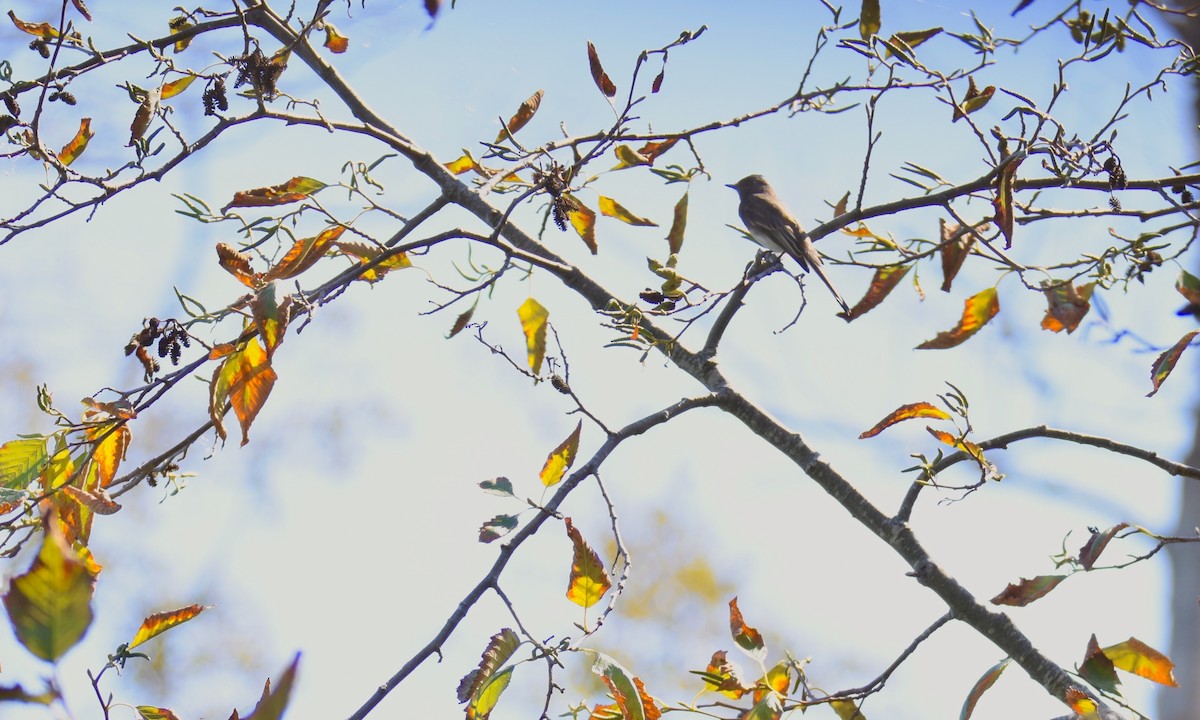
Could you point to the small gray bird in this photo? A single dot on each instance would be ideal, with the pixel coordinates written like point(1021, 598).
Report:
point(774, 227)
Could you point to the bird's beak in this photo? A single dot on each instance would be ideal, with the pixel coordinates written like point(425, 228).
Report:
point(731, 187)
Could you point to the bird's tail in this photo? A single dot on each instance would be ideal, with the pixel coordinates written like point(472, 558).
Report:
point(820, 272)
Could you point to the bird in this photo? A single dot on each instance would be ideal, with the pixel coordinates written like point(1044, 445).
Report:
point(774, 227)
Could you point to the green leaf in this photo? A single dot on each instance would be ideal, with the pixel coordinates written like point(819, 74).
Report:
point(485, 700)
point(988, 679)
point(50, 606)
point(869, 20)
point(21, 461)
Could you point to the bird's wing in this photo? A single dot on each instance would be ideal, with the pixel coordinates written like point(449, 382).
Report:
point(787, 232)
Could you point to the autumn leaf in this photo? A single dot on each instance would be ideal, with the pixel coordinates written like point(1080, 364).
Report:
point(589, 580)
point(583, 219)
point(1090, 552)
point(175, 87)
point(178, 25)
point(97, 499)
point(145, 113)
point(882, 283)
point(1027, 591)
point(159, 623)
point(485, 700)
point(83, 9)
point(1075, 698)
point(335, 41)
point(981, 686)
point(43, 30)
point(1188, 285)
point(303, 254)
point(238, 265)
point(724, 676)
point(652, 150)
point(974, 100)
point(846, 710)
point(603, 82)
point(274, 702)
point(244, 379)
point(1097, 669)
point(50, 605)
point(1137, 657)
point(746, 637)
point(367, 254)
point(625, 689)
point(971, 449)
point(497, 528)
point(1067, 305)
point(1166, 362)
point(110, 442)
point(72, 150)
point(464, 163)
point(463, 319)
point(612, 208)
point(869, 20)
point(910, 39)
point(956, 246)
point(153, 712)
point(533, 323)
point(977, 311)
point(294, 190)
point(777, 680)
point(627, 157)
point(500, 486)
point(560, 460)
point(906, 412)
point(523, 115)
point(1003, 202)
point(270, 317)
point(678, 225)
point(500, 648)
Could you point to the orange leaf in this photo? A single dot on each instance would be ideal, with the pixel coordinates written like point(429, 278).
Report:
point(111, 441)
point(678, 225)
point(523, 115)
point(652, 150)
point(97, 500)
point(294, 190)
point(244, 379)
point(1067, 305)
point(1027, 591)
point(159, 623)
point(956, 246)
point(1137, 657)
point(72, 150)
point(303, 254)
point(746, 637)
point(560, 460)
point(533, 323)
point(977, 311)
point(335, 41)
point(238, 265)
point(175, 87)
point(583, 219)
point(884, 281)
point(1077, 700)
point(1166, 362)
point(603, 82)
point(589, 581)
point(45, 31)
point(906, 412)
point(614, 209)
point(1003, 202)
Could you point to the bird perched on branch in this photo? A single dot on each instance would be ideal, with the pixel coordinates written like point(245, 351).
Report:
point(774, 227)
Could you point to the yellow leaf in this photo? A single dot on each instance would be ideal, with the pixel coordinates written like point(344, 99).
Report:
point(588, 581)
point(847, 710)
point(367, 254)
point(175, 87)
point(533, 323)
point(678, 225)
point(614, 209)
point(560, 460)
point(628, 157)
point(906, 412)
point(977, 311)
point(159, 623)
point(485, 700)
point(1137, 657)
point(583, 219)
point(464, 163)
point(244, 379)
point(50, 605)
point(178, 25)
point(111, 440)
point(869, 20)
point(72, 150)
point(43, 30)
